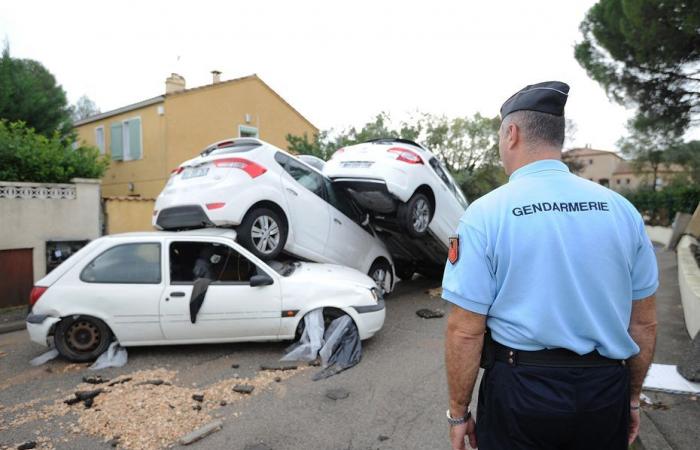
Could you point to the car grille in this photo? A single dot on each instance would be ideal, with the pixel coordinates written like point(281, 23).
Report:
point(356, 164)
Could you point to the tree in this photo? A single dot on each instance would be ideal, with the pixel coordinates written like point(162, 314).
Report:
point(29, 93)
point(646, 53)
point(686, 154)
point(83, 109)
point(28, 156)
point(647, 150)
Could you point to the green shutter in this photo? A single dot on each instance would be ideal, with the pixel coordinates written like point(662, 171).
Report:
point(116, 144)
point(135, 138)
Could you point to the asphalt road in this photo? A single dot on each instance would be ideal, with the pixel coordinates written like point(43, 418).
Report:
point(397, 394)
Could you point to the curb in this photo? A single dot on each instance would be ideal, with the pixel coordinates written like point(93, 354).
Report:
point(650, 437)
point(12, 326)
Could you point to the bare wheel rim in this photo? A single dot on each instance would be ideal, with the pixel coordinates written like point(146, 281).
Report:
point(83, 336)
point(381, 278)
point(421, 216)
point(265, 234)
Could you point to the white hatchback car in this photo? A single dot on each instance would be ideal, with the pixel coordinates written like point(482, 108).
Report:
point(407, 190)
point(137, 288)
point(275, 202)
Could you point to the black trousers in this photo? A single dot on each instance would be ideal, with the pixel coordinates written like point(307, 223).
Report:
point(553, 408)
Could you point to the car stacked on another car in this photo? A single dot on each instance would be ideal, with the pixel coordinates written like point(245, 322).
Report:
point(408, 192)
point(138, 288)
point(275, 202)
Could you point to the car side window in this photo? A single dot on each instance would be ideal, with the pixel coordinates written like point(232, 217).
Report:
point(435, 164)
point(340, 201)
point(217, 262)
point(302, 174)
point(125, 264)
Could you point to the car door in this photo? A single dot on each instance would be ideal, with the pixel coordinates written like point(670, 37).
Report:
point(348, 243)
point(123, 284)
point(232, 309)
point(449, 206)
point(309, 213)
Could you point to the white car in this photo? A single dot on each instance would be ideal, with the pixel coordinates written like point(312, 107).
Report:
point(137, 288)
point(408, 191)
point(275, 202)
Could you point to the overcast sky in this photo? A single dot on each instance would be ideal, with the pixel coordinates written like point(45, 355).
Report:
point(339, 64)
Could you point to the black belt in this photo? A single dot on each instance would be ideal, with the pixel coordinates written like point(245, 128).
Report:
point(556, 357)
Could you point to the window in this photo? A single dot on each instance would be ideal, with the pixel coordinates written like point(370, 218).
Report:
point(125, 264)
point(125, 140)
point(217, 262)
point(618, 181)
point(305, 176)
point(449, 181)
point(100, 139)
point(339, 200)
point(246, 131)
point(590, 162)
point(627, 181)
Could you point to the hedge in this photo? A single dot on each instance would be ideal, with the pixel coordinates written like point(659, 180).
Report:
point(660, 207)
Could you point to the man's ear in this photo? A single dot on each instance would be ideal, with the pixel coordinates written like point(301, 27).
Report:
point(512, 136)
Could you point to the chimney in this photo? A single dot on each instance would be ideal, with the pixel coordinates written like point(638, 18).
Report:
point(174, 83)
point(216, 76)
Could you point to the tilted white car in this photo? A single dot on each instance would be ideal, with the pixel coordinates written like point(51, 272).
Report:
point(408, 191)
point(275, 202)
point(137, 288)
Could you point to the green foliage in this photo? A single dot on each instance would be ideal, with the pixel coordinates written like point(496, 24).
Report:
point(660, 207)
point(646, 53)
point(468, 146)
point(686, 154)
point(28, 156)
point(29, 93)
point(83, 109)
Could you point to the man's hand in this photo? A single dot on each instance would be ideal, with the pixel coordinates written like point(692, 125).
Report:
point(634, 425)
point(459, 432)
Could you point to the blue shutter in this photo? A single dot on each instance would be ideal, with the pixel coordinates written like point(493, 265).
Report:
point(134, 139)
point(116, 144)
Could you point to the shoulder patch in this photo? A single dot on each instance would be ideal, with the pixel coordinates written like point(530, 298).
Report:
point(453, 253)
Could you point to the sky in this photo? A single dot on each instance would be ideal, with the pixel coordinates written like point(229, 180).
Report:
point(338, 63)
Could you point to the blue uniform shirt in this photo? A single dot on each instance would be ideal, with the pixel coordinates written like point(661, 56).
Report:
point(554, 261)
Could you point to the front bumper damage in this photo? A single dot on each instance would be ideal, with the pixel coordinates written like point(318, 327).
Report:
point(39, 327)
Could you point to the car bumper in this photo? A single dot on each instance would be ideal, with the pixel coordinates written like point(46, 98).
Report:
point(371, 319)
point(39, 326)
point(384, 177)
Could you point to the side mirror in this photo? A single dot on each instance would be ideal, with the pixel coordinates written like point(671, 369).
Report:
point(261, 280)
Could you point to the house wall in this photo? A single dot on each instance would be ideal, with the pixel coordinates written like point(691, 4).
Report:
point(602, 167)
point(148, 173)
point(33, 213)
point(123, 215)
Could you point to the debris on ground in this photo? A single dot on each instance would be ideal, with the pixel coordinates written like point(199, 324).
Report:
point(3, 354)
point(198, 397)
point(146, 416)
point(114, 356)
point(244, 388)
point(430, 313)
point(434, 292)
point(97, 379)
point(27, 445)
point(235, 366)
point(383, 438)
point(44, 357)
point(337, 393)
point(202, 432)
point(342, 348)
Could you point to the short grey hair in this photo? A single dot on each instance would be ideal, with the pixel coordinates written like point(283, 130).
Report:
point(538, 128)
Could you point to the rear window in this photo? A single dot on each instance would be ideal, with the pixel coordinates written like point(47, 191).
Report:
point(239, 146)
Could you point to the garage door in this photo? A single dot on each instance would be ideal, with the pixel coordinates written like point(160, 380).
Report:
point(16, 276)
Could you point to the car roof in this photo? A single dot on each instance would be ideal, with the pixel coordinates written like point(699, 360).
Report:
point(200, 232)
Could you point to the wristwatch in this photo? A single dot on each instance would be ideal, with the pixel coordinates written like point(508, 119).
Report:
point(459, 420)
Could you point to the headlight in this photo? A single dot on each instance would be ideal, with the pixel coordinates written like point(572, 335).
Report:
point(376, 295)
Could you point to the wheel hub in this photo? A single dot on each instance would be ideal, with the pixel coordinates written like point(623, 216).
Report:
point(265, 234)
point(83, 336)
point(421, 216)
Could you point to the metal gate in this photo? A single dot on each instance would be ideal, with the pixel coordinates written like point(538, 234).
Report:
point(16, 276)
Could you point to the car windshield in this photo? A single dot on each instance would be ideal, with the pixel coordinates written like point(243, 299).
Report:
point(284, 268)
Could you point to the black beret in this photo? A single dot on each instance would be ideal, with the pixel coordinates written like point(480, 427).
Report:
point(548, 97)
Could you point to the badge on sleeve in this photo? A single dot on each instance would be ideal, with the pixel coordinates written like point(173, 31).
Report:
point(453, 254)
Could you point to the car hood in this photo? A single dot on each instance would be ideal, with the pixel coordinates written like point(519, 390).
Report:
point(331, 273)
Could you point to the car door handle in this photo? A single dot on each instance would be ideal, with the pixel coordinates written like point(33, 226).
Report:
point(292, 191)
point(177, 294)
point(337, 221)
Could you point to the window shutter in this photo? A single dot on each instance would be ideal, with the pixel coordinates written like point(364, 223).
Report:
point(135, 139)
point(116, 144)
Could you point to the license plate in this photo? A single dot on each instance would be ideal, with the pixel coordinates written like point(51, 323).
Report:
point(194, 172)
point(356, 164)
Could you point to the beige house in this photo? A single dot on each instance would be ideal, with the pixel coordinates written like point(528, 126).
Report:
point(611, 170)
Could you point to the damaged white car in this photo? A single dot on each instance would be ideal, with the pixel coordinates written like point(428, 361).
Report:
point(193, 287)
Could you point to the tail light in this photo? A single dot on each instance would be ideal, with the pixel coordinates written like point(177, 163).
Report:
point(406, 155)
point(216, 205)
point(177, 170)
point(155, 212)
point(337, 152)
point(35, 294)
point(252, 169)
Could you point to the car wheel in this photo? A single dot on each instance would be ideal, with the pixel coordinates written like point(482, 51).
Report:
point(82, 338)
point(405, 271)
point(263, 233)
point(381, 273)
point(417, 213)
